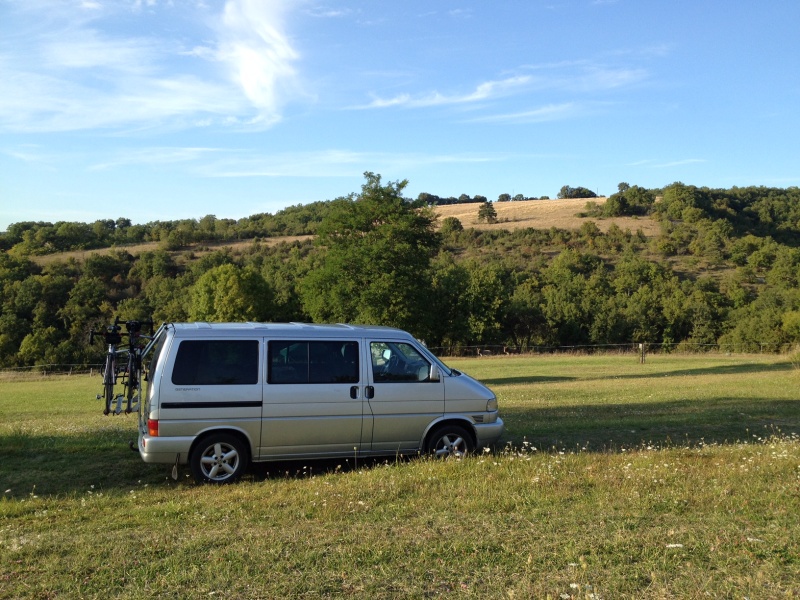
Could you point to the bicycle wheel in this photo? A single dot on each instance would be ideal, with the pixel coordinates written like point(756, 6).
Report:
point(132, 386)
point(109, 376)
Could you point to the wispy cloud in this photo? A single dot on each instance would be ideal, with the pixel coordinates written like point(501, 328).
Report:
point(571, 77)
point(586, 76)
point(329, 13)
point(542, 114)
point(656, 164)
point(66, 70)
point(245, 163)
point(159, 156)
point(333, 163)
point(484, 91)
point(258, 52)
point(463, 13)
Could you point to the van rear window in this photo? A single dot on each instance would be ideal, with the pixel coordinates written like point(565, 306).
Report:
point(312, 362)
point(216, 362)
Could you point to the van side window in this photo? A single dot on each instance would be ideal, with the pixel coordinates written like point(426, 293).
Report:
point(397, 361)
point(312, 362)
point(216, 362)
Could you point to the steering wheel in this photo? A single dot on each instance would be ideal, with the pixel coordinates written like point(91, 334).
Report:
point(391, 365)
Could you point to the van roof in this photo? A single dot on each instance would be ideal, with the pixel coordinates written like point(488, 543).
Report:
point(202, 328)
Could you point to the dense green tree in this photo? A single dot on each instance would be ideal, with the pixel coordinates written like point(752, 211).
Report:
point(524, 321)
point(678, 197)
point(487, 213)
point(731, 276)
point(283, 270)
point(13, 330)
point(629, 201)
point(450, 226)
point(575, 192)
point(41, 347)
point(486, 296)
point(376, 264)
point(231, 293)
point(764, 324)
point(448, 303)
point(169, 297)
point(86, 306)
point(567, 307)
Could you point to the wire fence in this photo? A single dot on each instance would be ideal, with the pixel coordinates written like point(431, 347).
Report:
point(638, 350)
point(50, 370)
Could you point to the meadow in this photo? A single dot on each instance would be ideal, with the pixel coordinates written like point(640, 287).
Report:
point(677, 478)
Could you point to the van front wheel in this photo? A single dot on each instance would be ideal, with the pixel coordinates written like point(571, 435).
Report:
point(450, 441)
point(218, 458)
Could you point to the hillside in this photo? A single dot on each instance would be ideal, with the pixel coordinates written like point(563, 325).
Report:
point(538, 214)
point(708, 269)
point(544, 214)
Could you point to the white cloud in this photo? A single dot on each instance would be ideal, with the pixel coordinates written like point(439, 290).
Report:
point(655, 164)
point(258, 53)
point(89, 49)
point(549, 112)
point(159, 156)
point(65, 70)
point(245, 163)
point(584, 76)
point(484, 91)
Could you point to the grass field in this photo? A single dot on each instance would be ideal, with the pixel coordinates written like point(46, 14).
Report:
point(679, 478)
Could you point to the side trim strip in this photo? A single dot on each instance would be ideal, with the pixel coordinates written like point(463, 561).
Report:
point(246, 404)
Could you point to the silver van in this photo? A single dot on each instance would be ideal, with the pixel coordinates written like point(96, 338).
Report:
point(220, 395)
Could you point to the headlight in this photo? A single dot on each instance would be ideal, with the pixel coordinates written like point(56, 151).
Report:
point(491, 405)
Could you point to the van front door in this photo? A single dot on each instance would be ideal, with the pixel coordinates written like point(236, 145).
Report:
point(402, 398)
point(312, 399)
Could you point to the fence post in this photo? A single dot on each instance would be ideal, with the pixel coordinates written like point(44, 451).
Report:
point(642, 353)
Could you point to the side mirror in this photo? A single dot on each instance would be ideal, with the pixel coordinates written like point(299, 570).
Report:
point(434, 374)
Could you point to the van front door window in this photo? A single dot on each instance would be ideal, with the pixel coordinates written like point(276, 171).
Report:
point(398, 362)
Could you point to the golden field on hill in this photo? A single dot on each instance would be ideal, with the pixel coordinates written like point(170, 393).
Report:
point(544, 214)
point(538, 214)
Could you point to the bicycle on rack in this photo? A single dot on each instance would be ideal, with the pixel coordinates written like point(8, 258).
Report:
point(113, 370)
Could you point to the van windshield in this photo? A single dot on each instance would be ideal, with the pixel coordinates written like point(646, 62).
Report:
point(442, 367)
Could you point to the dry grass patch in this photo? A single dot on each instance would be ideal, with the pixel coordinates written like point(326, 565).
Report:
point(544, 214)
point(197, 250)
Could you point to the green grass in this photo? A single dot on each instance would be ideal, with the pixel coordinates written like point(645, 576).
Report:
point(677, 478)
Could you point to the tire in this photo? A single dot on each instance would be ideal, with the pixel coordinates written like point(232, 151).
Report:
point(219, 458)
point(450, 441)
point(108, 383)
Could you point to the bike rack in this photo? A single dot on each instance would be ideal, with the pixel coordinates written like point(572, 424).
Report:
point(129, 369)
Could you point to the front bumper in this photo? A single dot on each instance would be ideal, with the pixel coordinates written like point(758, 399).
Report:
point(489, 433)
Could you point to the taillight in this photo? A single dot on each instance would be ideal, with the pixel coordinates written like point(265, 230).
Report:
point(152, 427)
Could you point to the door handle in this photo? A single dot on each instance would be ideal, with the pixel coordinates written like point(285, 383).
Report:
point(354, 392)
point(369, 392)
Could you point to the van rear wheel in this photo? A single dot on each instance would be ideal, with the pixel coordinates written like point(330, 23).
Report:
point(220, 458)
point(450, 441)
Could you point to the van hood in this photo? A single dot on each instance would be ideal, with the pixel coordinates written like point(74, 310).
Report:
point(461, 386)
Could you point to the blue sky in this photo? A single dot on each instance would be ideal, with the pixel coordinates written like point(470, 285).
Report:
point(169, 109)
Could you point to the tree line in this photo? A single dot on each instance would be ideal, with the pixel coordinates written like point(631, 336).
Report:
point(723, 270)
point(27, 238)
